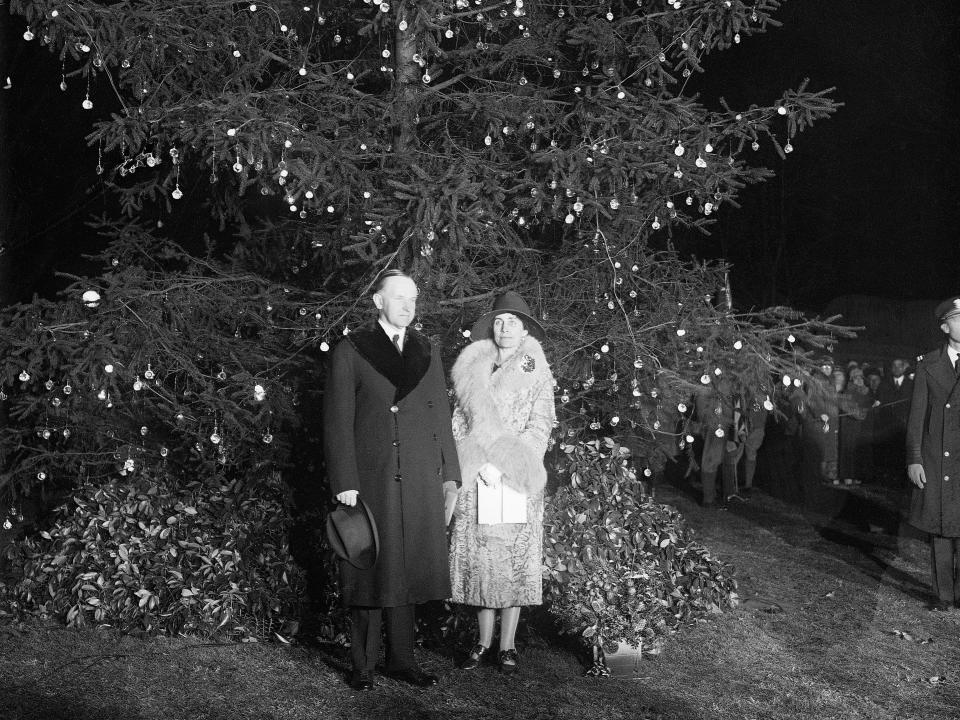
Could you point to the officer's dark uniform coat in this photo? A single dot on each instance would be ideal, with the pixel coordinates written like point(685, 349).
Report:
point(933, 440)
point(387, 434)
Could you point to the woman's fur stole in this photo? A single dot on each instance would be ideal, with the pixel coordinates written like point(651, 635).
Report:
point(494, 404)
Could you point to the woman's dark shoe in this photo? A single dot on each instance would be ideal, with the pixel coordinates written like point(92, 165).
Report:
point(508, 661)
point(475, 657)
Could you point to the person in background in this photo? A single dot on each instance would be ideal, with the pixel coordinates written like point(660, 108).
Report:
point(863, 401)
point(388, 440)
point(502, 421)
point(819, 412)
point(854, 402)
point(894, 394)
point(933, 456)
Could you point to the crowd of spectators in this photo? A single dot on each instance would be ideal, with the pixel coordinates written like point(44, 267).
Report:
point(846, 427)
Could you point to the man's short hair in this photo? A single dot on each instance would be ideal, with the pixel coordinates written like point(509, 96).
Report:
point(386, 275)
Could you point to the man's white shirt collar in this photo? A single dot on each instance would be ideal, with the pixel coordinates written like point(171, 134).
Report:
point(390, 330)
point(953, 354)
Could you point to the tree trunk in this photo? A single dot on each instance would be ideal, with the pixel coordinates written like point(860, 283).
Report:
point(6, 157)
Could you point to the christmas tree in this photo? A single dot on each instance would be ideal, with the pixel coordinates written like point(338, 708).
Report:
point(302, 148)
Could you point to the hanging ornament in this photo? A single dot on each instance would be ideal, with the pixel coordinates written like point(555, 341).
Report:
point(177, 193)
point(268, 438)
point(679, 150)
point(137, 385)
point(28, 34)
point(24, 376)
point(788, 148)
point(149, 374)
point(87, 102)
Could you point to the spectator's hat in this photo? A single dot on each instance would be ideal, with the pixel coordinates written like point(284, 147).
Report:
point(508, 302)
point(352, 533)
point(948, 308)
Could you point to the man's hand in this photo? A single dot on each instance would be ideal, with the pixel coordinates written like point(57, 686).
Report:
point(450, 492)
point(348, 497)
point(490, 475)
point(916, 474)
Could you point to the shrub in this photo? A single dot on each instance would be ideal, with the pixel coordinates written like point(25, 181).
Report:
point(617, 565)
point(147, 555)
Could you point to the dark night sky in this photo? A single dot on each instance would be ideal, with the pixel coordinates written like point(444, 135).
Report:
point(866, 204)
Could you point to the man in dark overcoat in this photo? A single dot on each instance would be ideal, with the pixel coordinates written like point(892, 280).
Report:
point(933, 456)
point(388, 440)
point(894, 395)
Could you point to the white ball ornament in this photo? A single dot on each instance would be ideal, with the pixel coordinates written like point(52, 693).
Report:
point(91, 298)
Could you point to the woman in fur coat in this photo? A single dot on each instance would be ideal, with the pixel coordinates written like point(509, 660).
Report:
point(502, 421)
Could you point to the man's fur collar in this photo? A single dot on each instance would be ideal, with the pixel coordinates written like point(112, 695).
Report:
point(404, 373)
point(478, 394)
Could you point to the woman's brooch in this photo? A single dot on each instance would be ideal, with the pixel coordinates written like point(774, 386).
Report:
point(528, 364)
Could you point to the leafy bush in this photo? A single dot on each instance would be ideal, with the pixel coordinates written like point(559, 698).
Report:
point(617, 565)
point(148, 555)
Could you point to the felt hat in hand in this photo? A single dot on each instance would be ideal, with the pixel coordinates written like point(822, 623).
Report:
point(508, 302)
point(352, 533)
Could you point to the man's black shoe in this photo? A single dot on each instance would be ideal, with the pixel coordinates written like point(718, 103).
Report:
point(413, 676)
point(361, 680)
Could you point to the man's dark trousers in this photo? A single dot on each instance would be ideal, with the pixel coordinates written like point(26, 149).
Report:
point(365, 637)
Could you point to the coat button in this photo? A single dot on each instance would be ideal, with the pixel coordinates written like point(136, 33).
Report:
point(394, 409)
point(946, 453)
point(946, 478)
point(947, 406)
point(396, 443)
point(435, 438)
point(429, 403)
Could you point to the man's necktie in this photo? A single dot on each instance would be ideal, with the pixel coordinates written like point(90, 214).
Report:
point(396, 343)
point(956, 367)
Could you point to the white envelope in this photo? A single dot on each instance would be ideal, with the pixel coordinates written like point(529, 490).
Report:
point(500, 504)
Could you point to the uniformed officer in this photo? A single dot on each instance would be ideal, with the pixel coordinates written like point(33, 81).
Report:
point(933, 455)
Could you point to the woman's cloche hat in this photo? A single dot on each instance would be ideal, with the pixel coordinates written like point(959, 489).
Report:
point(352, 533)
point(508, 302)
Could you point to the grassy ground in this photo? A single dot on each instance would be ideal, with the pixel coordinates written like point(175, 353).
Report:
point(834, 625)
